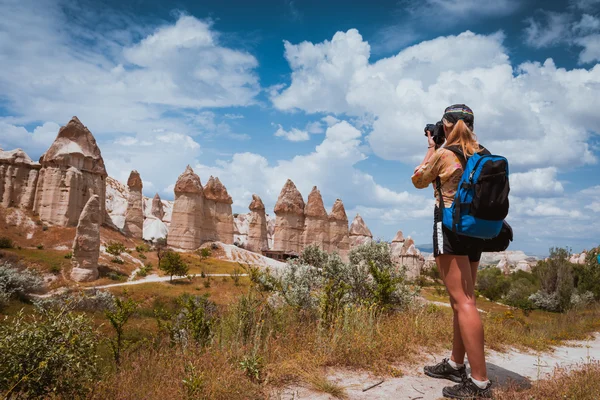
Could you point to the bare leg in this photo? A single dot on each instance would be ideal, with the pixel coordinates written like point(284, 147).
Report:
point(457, 274)
point(458, 347)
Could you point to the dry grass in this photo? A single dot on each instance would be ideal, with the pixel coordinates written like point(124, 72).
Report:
point(169, 373)
point(508, 328)
point(582, 383)
point(221, 291)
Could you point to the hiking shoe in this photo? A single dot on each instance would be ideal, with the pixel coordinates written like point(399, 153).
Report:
point(444, 370)
point(467, 390)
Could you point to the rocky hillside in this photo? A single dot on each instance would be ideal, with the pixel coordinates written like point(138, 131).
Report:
point(116, 207)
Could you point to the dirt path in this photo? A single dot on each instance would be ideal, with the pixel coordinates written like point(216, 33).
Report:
point(155, 278)
point(514, 366)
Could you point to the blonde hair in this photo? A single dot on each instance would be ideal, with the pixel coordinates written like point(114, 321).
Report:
point(462, 136)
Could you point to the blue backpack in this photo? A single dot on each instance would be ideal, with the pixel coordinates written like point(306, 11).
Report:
point(481, 201)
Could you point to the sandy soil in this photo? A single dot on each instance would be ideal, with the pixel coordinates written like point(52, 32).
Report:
point(518, 367)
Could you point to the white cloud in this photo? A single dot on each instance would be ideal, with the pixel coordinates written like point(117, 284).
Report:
point(595, 206)
point(552, 28)
point(588, 23)
point(539, 182)
point(293, 135)
point(467, 8)
point(435, 17)
point(112, 82)
point(314, 127)
point(585, 5)
point(330, 120)
point(535, 114)
point(34, 143)
point(331, 167)
point(591, 48)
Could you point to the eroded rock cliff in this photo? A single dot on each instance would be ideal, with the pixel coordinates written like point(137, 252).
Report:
point(72, 170)
point(289, 222)
point(134, 217)
point(18, 179)
point(185, 230)
point(86, 246)
point(257, 226)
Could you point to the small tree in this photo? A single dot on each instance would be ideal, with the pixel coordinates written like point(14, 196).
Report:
point(172, 264)
point(160, 245)
point(118, 317)
point(204, 253)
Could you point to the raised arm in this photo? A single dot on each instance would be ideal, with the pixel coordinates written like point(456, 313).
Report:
point(427, 171)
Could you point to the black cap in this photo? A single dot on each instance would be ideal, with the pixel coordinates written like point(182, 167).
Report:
point(459, 111)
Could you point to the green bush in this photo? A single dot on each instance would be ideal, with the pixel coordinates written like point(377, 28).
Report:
point(587, 276)
point(328, 284)
point(519, 293)
point(6, 243)
point(69, 255)
point(117, 260)
point(40, 247)
point(115, 276)
point(492, 283)
point(142, 248)
point(557, 283)
point(18, 282)
point(115, 248)
point(143, 271)
point(52, 353)
point(193, 322)
point(204, 253)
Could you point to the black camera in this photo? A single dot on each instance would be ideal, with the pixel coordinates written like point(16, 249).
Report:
point(437, 132)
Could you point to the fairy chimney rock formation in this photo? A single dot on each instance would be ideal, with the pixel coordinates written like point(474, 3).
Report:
point(218, 216)
point(18, 179)
point(157, 207)
point(257, 226)
point(339, 239)
point(397, 244)
point(406, 246)
point(86, 246)
point(289, 222)
point(72, 171)
point(316, 221)
point(359, 232)
point(185, 231)
point(134, 218)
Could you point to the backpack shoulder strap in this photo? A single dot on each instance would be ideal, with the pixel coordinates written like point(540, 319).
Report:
point(461, 157)
point(459, 154)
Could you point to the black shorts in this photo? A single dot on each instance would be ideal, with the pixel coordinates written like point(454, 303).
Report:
point(446, 242)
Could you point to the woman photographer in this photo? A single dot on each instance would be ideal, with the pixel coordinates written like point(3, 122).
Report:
point(457, 256)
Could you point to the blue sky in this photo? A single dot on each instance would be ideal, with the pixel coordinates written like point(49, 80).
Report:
point(333, 94)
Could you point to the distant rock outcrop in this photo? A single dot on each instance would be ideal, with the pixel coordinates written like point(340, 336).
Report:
point(86, 246)
point(185, 231)
point(134, 218)
point(359, 232)
point(18, 179)
point(218, 217)
point(72, 170)
point(578, 258)
point(289, 224)
point(316, 222)
point(405, 254)
point(339, 239)
point(158, 210)
point(257, 226)
point(397, 244)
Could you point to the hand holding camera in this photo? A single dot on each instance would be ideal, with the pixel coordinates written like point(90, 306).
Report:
point(435, 134)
